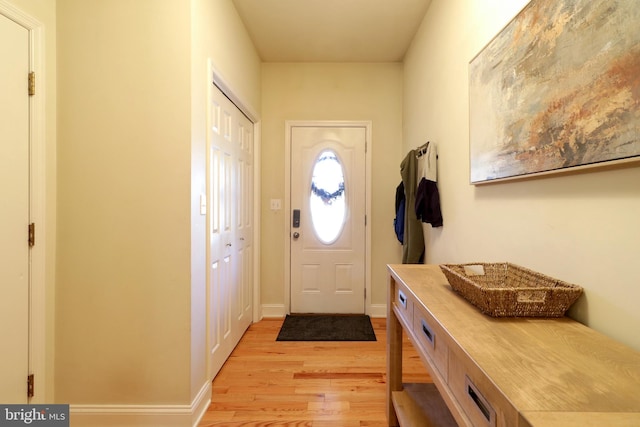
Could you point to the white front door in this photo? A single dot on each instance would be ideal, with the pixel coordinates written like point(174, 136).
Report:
point(230, 227)
point(14, 211)
point(328, 208)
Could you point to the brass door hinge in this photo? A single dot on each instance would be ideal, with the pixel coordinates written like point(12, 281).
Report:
point(30, 385)
point(32, 83)
point(32, 235)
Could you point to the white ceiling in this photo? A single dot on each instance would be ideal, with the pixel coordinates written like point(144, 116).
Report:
point(331, 30)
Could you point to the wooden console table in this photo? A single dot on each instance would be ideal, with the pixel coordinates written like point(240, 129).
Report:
point(501, 372)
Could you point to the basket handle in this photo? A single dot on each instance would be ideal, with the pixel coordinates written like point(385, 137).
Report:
point(533, 296)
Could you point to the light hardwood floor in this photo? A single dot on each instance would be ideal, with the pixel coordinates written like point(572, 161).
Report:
point(268, 383)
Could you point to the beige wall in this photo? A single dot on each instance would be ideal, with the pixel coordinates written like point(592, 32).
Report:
point(131, 284)
point(318, 91)
point(45, 12)
point(219, 34)
point(583, 228)
point(123, 278)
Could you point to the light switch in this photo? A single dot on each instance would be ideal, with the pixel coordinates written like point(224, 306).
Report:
point(276, 204)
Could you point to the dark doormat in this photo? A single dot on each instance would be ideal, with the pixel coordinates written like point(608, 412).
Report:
point(322, 327)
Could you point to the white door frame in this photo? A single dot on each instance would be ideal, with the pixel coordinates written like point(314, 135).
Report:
point(37, 201)
point(287, 203)
point(253, 116)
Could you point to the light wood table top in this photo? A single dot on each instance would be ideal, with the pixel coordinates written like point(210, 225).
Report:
point(544, 366)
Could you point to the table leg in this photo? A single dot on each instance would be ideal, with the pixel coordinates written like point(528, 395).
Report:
point(394, 355)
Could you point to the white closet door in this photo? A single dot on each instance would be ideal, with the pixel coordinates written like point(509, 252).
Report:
point(230, 228)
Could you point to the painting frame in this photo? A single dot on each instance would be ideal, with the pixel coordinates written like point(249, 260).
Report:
point(556, 90)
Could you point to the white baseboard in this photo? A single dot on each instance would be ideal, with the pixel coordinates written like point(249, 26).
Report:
point(142, 415)
point(278, 310)
point(378, 310)
point(273, 310)
point(201, 403)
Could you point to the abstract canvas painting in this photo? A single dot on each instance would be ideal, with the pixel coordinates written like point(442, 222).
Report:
point(557, 88)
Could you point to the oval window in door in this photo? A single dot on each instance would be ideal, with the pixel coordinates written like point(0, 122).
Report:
point(327, 197)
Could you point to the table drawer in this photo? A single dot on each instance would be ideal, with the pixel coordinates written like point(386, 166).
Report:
point(403, 300)
point(481, 401)
point(431, 338)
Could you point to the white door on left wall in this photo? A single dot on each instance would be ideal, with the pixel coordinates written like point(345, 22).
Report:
point(230, 227)
point(14, 211)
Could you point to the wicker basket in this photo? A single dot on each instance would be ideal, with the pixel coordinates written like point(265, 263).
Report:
point(508, 290)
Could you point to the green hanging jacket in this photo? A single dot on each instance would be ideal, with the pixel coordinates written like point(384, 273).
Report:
point(413, 246)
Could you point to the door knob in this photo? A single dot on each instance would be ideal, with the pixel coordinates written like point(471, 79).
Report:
point(296, 235)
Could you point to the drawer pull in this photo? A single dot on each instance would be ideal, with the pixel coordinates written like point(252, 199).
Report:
point(427, 331)
point(402, 298)
point(480, 402)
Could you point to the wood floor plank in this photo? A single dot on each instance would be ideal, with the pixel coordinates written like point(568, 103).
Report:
point(269, 383)
point(338, 375)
